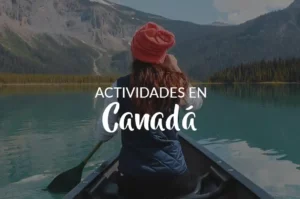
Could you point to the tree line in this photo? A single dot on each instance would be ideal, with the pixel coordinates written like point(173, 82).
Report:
point(276, 70)
point(12, 78)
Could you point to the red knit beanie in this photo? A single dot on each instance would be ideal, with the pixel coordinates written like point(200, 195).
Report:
point(151, 43)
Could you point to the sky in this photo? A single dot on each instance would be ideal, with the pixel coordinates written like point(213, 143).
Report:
point(207, 11)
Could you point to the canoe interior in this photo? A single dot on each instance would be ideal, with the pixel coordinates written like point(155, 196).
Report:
point(199, 161)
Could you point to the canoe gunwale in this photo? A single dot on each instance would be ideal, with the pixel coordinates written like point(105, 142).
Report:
point(248, 184)
point(93, 176)
point(241, 179)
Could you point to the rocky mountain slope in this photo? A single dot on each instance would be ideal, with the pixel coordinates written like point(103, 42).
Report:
point(93, 37)
point(276, 34)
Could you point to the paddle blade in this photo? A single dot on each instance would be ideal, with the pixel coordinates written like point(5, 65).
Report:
point(66, 181)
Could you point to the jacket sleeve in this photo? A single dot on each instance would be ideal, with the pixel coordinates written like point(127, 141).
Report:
point(112, 118)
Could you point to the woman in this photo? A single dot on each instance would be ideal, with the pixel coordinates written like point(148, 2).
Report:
point(151, 163)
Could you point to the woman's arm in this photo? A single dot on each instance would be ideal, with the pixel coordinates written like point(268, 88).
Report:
point(188, 101)
point(112, 118)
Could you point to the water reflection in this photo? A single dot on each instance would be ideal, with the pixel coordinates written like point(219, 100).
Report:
point(263, 94)
point(266, 127)
point(44, 133)
point(280, 178)
point(256, 132)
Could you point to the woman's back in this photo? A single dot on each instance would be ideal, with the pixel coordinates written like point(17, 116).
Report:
point(150, 152)
point(150, 157)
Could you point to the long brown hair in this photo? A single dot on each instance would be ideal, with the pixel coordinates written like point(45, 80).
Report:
point(152, 76)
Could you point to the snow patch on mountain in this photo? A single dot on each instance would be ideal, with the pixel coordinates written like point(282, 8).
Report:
point(103, 2)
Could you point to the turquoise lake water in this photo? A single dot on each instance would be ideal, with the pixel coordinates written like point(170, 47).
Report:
point(256, 129)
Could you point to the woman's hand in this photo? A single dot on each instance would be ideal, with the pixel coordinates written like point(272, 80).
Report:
point(171, 63)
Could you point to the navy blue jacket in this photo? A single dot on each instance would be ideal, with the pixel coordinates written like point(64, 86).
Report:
point(148, 153)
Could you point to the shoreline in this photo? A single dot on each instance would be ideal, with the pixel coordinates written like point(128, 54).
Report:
point(223, 83)
point(108, 83)
point(55, 84)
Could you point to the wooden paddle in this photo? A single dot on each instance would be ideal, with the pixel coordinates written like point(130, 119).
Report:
point(67, 180)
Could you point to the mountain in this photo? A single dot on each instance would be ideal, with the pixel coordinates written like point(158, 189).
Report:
point(93, 37)
point(273, 35)
point(71, 36)
point(295, 5)
point(68, 36)
point(218, 23)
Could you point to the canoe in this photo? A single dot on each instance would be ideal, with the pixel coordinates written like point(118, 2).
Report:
point(217, 179)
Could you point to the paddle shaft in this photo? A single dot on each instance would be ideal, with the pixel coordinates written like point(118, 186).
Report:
point(91, 153)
